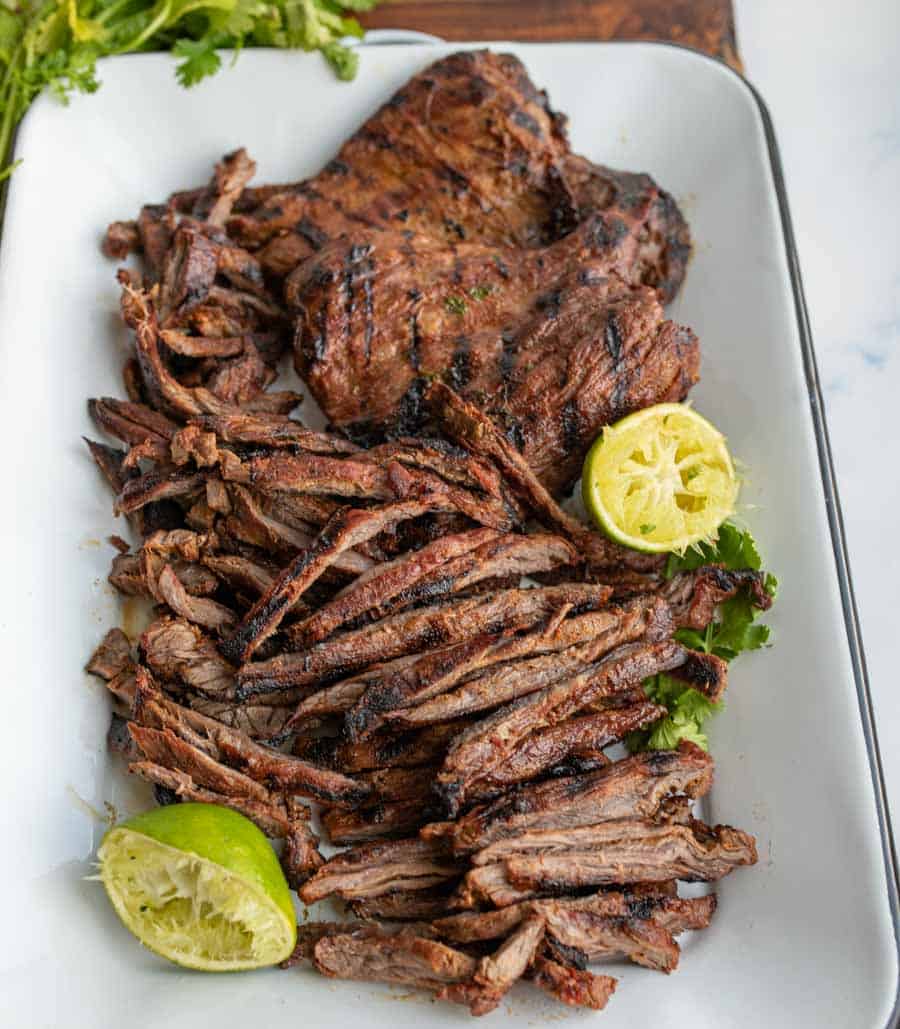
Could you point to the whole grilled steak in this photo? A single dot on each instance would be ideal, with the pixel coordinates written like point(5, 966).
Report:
point(468, 149)
point(553, 342)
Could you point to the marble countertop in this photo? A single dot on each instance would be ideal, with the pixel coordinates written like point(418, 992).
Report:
point(831, 78)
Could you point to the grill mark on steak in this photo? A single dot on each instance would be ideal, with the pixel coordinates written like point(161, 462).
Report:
point(345, 530)
point(631, 787)
point(573, 643)
point(475, 431)
point(542, 751)
point(487, 743)
point(440, 624)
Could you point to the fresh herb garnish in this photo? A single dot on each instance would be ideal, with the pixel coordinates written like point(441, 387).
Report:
point(735, 631)
point(54, 45)
point(481, 292)
point(455, 305)
point(647, 528)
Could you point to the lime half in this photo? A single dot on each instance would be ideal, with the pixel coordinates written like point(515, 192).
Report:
point(200, 885)
point(660, 479)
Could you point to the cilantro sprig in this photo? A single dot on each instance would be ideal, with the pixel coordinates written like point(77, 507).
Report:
point(734, 631)
point(54, 45)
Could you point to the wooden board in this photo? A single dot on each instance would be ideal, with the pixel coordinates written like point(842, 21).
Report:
point(706, 25)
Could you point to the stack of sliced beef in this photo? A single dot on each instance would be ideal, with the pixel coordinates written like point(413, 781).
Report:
point(395, 628)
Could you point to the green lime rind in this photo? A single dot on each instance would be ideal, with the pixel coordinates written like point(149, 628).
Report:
point(660, 480)
point(201, 886)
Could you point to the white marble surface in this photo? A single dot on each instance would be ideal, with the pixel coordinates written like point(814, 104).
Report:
point(830, 74)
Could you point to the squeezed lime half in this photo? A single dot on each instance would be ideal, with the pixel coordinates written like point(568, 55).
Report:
point(660, 480)
point(200, 885)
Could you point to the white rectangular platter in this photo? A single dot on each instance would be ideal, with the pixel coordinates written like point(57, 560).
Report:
point(807, 938)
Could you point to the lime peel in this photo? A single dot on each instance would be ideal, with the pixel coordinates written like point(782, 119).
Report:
point(660, 480)
point(200, 885)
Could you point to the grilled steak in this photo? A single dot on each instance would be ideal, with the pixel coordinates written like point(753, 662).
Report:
point(573, 986)
point(487, 743)
point(554, 347)
point(543, 751)
point(506, 671)
point(494, 166)
point(695, 853)
point(403, 957)
point(632, 786)
point(379, 868)
point(407, 632)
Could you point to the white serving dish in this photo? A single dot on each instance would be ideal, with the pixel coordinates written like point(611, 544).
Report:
point(805, 939)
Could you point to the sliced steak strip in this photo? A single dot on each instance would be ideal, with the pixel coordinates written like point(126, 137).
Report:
point(344, 531)
point(163, 747)
point(694, 596)
point(695, 853)
point(314, 473)
point(379, 868)
point(511, 673)
point(509, 556)
point(467, 425)
point(377, 587)
point(405, 633)
point(112, 656)
point(274, 431)
point(271, 818)
point(573, 986)
point(488, 743)
point(341, 696)
point(653, 900)
point(595, 938)
point(385, 820)
point(209, 614)
point(179, 652)
point(155, 486)
point(288, 773)
point(130, 422)
point(403, 958)
point(673, 811)
point(405, 905)
point(542, 751)
point(380, 751)
point(497, 972)
point(300, 857)
point(634, 786)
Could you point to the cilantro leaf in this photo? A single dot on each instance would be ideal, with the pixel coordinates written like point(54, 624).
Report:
point(734, 548)
point(344, 60)
point(733, 631)
point(200, 60)
point(688, 709)
point(53, 45)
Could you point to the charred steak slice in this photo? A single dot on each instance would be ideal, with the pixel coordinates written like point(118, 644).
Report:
point(405, 633)
point(379, 868)
point(403, 957)
point(695, 853)
point(634, 786)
